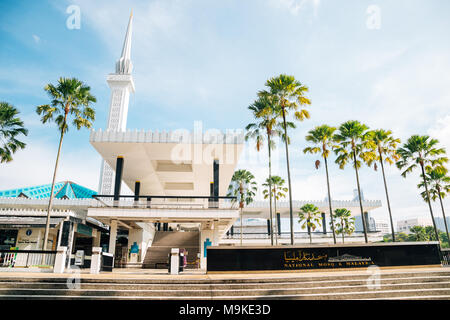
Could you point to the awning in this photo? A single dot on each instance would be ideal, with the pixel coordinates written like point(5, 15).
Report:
point(28, 222)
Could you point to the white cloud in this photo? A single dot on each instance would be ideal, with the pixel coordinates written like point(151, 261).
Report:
point(295, 6)
point(412, 95)
point(441, 131)
point(371, 60)
point(34, 165)
point(36, 38)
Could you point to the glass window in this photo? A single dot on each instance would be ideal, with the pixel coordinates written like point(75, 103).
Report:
point(8, 238)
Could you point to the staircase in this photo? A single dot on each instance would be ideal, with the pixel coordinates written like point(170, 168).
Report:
point(432, 285)
point(157, 254)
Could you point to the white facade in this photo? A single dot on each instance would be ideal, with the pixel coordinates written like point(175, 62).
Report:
point(405, 225)
point(121, 85)
point(383, 227)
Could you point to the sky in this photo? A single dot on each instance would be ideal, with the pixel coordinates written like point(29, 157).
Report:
point(384, 63)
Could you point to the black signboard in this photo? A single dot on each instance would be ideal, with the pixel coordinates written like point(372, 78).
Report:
point(321, 257)
point(65, 233)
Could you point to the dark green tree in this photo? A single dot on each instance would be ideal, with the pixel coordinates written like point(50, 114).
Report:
point(439, 186)
point(386, 148)
point(11, 128)
point(422, 151)
point(71, 101)
point(243, 186)
point(289, 95)
point(322, 138)
point(344, 224)
point(309, 218)
point(354, 145)
point(265, 127)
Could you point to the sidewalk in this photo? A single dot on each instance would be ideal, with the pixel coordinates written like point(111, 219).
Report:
point(161, 274)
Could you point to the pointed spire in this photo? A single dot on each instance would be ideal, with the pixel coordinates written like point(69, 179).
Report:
point(124, 65)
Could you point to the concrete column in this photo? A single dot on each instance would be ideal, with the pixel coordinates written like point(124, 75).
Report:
point(96, 260)
point(206, 239)
point(279, 223)
point(60, 234)
point(97, 238)
point(216, 234)
point(60, 260)
point(112, 237)
point(216, 183)
point(118, 180)
point(324, 223)
point(135, 235)
point(174, 261)
point(137, 190)
point(70, 244)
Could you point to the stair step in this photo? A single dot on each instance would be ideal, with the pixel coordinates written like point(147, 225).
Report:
point(430, 285)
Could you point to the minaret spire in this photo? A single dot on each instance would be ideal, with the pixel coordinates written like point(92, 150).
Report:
point(124, 65)
point(122, 85)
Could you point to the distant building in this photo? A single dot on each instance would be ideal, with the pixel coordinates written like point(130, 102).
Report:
point(383, 227)
point(405, 225)
point(370, 222)
point(440, 223)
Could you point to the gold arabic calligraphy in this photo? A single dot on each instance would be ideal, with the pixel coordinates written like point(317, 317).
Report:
point(299, 256)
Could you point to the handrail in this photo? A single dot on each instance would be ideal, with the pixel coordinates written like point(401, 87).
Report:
point(158, 201)
point(165, 197)
point(27, 251)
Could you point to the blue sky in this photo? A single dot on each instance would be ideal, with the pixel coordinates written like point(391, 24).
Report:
point(203, 60)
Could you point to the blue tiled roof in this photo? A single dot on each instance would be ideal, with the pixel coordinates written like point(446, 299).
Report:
point(64, 189)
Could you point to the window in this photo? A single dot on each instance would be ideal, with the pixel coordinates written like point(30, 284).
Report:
point(7, 239)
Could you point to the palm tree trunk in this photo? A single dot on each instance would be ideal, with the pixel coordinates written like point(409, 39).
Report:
point(329, 200)
point(387, 196)
point(360, 200)
point(291, 218)
point(49, 209)
point(276, 219)
point(270, 190)
point(429, 201)
point(443, 215)
point(242, 231)
point(309, 232)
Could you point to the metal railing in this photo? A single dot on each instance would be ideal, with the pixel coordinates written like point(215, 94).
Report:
point(297, 234)
point(166, 202)
point(27, 258)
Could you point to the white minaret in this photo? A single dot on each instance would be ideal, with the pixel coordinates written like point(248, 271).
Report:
point(121, 84)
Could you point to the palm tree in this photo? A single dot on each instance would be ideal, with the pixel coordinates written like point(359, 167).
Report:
point(275, 186)
point(345, 224)
point(69, 98)
point(322, 137)
point(267, 125)
point(386, 146)
point(439, 183)
point(418, 233)
point(243, 187)
point(422, 150)
point(289, 95)
point(353, 143)
point(311, 217)
point(10, 128)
